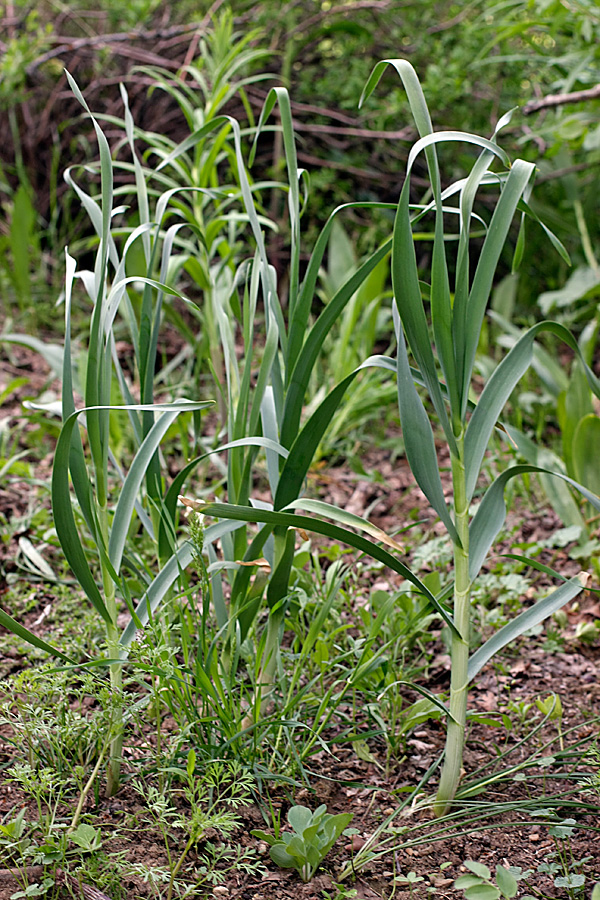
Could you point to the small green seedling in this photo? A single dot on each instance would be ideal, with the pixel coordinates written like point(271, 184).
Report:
point(411, 879)
point(479, 885)
point(313, 836)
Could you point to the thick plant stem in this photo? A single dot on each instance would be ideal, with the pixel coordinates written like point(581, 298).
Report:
point(453, 754)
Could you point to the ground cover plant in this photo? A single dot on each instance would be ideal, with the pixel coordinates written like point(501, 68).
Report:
point(231, 660)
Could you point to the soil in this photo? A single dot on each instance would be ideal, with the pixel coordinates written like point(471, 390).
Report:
point(368, 784)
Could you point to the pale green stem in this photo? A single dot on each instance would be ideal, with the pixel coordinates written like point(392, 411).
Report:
point(116, 744)
point(85, 791)
point(116, 675)
point(459, 653)
point(179, 864)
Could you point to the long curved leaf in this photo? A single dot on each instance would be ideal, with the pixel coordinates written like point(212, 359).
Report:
point(407, 292)
point(131, 486)
point(345, 518)
point(418, 436)
point(299, 320)
point(170, 501)
point(281, 96)
point(64, 519)
point(307, 356)
point(304, 447)
point(526, 620)
point(491, 514)
point(289, 520)
point(499, 388)
point(515, 185)
point(26, 635)
point(154, 595)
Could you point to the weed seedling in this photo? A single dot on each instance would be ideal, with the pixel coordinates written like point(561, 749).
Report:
point(480, 886)
point(312, 837)
point(212, 802)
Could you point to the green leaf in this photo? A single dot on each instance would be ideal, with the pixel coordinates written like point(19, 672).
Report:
point(581, 281)
point(281, 96)
point(304, 348)
point(564, 829)
point(263, 836)
point(570, 881)
point(345, 518)
point(482, 892)
point(528, 560)
point(62, 508)
point(507, 882)
point(499, 388)
point(432, 698)
point(305, 444)
point(410, 309)
point(131, 486)
point(418, 436)
point(16, 628)
point(491, 513)
point(248, 514)
point(557, 491)
point(417, 713)
point(514, 186)
point(87, 837)
point(299, 817)
point(281, 857)
point(524, 621)
point(479, 869)
point(466, 881)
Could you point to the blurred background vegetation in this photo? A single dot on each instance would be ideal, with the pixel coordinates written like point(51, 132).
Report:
point(476, 61)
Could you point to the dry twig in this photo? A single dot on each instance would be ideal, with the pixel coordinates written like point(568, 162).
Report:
point(560, 99)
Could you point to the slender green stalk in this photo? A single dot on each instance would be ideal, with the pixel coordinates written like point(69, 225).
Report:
point(191, 841)
point(453, 755)
point(115, 670)
point(86, 789)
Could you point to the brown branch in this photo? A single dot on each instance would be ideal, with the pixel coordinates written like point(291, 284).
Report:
point(193, 47)
point(333, 130)
point(567, 170)
point(365, 174)
point(12, 876)
point(335, 10)
point(560, 99)
point(69, 45)
point(256, 95)
point(450, 23)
